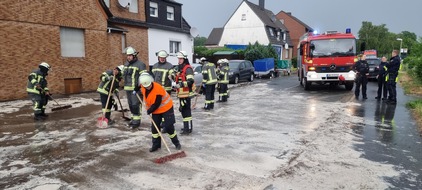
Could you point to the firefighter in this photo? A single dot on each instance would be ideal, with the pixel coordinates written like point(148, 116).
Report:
point(209, 79)
point(393, 68)
point(361, 68)
point(103, 89)
point(185, 87)
point(382, 84)
point(162, 70)
point(132, 69)
point(160, 105)
point(38, 91)
point(223, 80)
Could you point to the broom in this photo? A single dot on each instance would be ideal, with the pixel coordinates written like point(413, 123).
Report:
point(169, 157)
point(122, 110)
point(56, 108)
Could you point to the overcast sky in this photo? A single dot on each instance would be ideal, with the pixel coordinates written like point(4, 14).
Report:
point(321, 15)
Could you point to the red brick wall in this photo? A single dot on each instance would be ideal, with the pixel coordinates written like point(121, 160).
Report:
point(295, 28)
point(30, 34)
point(118, 11)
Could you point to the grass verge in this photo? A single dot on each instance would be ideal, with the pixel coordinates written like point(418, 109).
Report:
point(412, 86)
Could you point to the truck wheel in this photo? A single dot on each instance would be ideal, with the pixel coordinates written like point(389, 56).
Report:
point(251, 78)
point(349, 85)
point(307, 85)
point(271, 75)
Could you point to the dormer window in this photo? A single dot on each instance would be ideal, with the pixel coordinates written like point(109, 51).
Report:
point(271, 31)
point(170, 13)
point(153, 9)
point(243, 17)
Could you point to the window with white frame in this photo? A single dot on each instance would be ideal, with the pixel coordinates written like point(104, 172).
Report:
point(174, 46)
point(153, 9)
point(271, 31)
point(133, 8)
point(170, 13)
point(72, 42)
point(243, 17)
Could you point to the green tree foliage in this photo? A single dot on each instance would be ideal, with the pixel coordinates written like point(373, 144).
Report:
point(199, 41)
point(257, 51)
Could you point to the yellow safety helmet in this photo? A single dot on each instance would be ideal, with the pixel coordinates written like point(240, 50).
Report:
point(131, 51)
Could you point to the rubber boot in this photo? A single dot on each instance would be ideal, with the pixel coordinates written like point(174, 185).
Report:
point(211, 105)
point(207, 106)
point(43, 114)
point(185, 130)
point(107, 115)
point(156, 144)
point(134, 124)
point(38, 117)
point(176, 142)
point(191, 126)
point(219, 99)
point(224, 98)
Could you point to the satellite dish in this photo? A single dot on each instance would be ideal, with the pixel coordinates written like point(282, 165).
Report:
point(194, 32)
point(124, 3)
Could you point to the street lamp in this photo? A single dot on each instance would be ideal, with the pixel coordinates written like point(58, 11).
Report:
point(401, 42)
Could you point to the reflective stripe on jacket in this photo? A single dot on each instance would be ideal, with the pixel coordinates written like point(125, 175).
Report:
point(186, 90)
point(166, 101)
point(161, 72)
point(34, 78)
point(223, 75)
point(131, 73)
point(208, 73)
point(105, 84)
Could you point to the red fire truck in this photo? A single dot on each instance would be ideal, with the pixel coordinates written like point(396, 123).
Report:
point(327, 58)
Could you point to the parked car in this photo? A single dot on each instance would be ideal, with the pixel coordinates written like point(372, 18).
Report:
point(197, 74)
point(240, 70)
point(373, 67)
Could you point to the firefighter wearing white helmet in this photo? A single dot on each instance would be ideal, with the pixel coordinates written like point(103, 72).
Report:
point(159, 106)
point(223, 80)
point(162, 70)
point(184, 84)
point(106, 79)
point(209, 80)
point(133, 68)
point(38, 91)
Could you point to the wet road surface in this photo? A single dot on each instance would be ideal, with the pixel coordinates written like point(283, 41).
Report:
point(270, 135)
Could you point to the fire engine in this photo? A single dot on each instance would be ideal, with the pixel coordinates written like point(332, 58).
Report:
point(327, 58)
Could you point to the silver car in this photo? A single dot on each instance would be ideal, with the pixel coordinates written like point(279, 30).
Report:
point(197, 74)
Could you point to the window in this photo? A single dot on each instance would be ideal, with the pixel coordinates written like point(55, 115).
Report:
point(170, 13)
point(133, 8)
point(123, 43)
point(72, 42)
point(107, 2)
point(153, 9)
point(174, 46)
point(243, 17)
point(271, 31)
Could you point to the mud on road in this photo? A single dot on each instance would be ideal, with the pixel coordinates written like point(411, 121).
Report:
point(250, 142)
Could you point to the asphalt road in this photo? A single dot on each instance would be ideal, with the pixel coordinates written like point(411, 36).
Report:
point(270, 135)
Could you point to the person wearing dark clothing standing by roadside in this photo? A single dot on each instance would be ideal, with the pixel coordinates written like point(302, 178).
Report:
point(382, 85)
point(162, 70)
point(361, 68)
point(223, 79)
point(393, 68)
point(209, 79)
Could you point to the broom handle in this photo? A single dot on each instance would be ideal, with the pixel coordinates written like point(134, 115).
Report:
point(155, 125)
point(109, 94)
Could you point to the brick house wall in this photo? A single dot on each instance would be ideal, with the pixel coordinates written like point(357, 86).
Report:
point(296, 29)
point(30, 34)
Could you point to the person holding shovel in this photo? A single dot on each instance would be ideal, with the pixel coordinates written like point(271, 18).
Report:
point(159, 106)
point(38, 91)
point(106, 80)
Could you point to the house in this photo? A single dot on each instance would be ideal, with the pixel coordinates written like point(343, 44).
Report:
point(80, 39)
point(252, 23)
point(296, 27)
point(168, 30)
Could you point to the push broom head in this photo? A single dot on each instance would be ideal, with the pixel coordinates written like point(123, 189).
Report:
point(61, 108)
point(170, 157)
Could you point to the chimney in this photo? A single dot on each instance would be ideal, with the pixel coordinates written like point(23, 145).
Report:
point(262, 4)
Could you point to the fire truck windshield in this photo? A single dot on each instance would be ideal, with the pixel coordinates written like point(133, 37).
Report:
point(333, 47)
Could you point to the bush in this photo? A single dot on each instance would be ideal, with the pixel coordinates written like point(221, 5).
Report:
point(257, 51)
point(294, 62)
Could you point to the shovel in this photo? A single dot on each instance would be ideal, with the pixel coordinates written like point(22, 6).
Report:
point(122, 110)
point(102, 122)
point(60, 107)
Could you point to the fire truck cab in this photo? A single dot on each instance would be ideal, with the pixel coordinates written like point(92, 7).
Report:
point(327, 58)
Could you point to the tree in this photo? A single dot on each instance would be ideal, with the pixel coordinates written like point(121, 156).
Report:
point(199, 41)
point(258, 51)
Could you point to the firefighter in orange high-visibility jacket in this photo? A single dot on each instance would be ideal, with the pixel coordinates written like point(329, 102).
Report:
point(38, 91)
point(159, 105)
point(184, 84)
